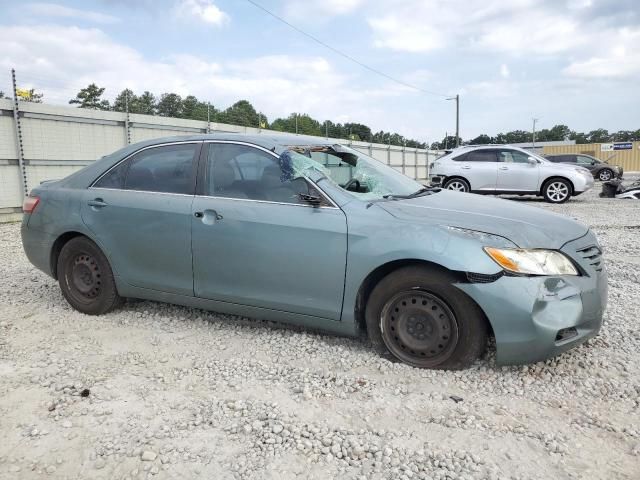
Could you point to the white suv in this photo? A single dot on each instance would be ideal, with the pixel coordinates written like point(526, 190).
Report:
point(503, 169)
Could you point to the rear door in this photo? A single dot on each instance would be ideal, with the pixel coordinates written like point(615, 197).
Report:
point(480, 168)
point(516, 173)
point(140, 214)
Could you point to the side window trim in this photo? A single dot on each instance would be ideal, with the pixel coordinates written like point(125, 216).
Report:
point(128, 158)
point(203, 169)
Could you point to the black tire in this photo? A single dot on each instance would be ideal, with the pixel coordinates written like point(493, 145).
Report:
point(438, 326)
point(85, 277)
point(557, 190)
point(605, 174)
point(457, 184)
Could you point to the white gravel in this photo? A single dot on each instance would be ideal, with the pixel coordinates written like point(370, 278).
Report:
point(183, 393)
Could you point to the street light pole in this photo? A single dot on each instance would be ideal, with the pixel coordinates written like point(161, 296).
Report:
point(457, 99)
point(533, 138)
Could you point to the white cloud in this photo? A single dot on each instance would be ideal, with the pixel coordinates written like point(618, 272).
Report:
point(317, 10)
point(61, 11)
point(504, 71)
point(618, 59)
point(59, 61)
point(204, 10)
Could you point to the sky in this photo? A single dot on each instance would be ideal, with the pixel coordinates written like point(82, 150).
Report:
point(574, 62)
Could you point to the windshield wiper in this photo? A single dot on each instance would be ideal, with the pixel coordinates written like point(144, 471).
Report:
point(418, 193)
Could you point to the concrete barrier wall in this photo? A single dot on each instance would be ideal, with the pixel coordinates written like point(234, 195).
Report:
point(58, 140)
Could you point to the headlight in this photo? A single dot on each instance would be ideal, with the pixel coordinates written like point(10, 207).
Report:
point(532, 262)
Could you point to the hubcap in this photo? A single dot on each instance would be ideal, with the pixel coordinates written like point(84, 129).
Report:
point(85, 276)
point(557, 191)
point(605, 175)
point(419, 328)
point(457, 186)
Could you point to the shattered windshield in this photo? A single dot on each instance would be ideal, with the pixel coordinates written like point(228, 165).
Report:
point(360, 175)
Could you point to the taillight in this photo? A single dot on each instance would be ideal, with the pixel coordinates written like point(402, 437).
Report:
point(30, 204)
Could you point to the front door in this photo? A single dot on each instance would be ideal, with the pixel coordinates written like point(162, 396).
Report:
point(140, 214)
point(516, 173)
point(256, 243)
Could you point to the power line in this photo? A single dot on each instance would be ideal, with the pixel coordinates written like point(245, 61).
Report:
point(343, 54)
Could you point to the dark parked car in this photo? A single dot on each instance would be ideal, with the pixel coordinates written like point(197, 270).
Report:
point(600, 170)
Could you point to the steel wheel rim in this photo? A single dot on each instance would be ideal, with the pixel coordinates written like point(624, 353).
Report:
point(84, 277)
point(419, 328)
point(557, 191)
point(457, 186)
point(605, 175)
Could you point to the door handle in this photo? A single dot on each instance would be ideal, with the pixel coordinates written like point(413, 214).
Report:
point(209, 216)
point(504, 168)
point(466, 167)
point(97, 203)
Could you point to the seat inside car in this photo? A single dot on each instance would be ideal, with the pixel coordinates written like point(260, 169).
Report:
point(224, 181)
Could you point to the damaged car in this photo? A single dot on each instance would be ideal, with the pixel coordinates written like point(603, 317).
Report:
point(303, 231)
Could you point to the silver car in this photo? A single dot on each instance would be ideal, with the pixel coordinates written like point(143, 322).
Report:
point(505, 169)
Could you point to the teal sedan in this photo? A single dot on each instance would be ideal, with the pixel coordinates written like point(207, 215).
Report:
point(303, 231)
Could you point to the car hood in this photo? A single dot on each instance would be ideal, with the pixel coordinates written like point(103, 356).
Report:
point(524, 225)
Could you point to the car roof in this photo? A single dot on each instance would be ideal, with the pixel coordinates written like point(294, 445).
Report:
point(266, 140)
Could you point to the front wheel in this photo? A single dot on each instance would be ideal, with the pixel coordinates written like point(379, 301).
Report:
point(419, 317)
point(457, 185)
point(557, 190)
point(85, 277)
point(605, 175)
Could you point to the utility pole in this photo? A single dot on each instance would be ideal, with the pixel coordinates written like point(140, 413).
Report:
point(457, 99)
point(326, 128)
point(126, 118)
point(533, 138)
point(16, 120)
point(208, 117)
point(296, 124)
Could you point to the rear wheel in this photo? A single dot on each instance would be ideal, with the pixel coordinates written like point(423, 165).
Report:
point(605, 174)
point(85, 277)
point(457, 185)
point(420, 318)
point(557, 190)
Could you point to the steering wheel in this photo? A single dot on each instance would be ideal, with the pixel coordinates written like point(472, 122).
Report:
point(352, 182)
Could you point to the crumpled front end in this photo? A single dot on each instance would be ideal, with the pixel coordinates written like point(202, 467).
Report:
point(537, 317)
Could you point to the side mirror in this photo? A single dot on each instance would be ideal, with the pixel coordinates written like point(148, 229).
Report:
point(532, 161)
point(310, 199)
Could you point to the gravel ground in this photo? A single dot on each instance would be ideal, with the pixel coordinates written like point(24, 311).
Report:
point(159, 391)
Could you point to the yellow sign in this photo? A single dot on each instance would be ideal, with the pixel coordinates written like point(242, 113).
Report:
point(23, 93)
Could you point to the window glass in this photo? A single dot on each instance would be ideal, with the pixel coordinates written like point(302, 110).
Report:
point(243, 172)
point(513, 156)
point(162, 169)
point(114, 178)
point(481, 156)
point(460, 158)
point(584, 160)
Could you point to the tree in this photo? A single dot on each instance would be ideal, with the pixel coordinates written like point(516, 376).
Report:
point(145, 104)
point(29, 95)
point(358, 131)
point(2, 94)
point(194, 109)
point(599, 136)
point(120, 102)
point(481, 140)
point(89, 97)
point(170, 105)
point(242, 113)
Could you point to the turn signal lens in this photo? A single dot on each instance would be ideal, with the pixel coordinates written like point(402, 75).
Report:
point(532, 261)
point(30, 204)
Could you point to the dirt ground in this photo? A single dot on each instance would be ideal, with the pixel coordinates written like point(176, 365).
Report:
point(159, 391)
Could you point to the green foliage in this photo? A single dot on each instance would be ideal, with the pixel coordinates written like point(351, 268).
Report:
point(242, 113)
point(170, 105)
point(89, 97)
point(2, 94)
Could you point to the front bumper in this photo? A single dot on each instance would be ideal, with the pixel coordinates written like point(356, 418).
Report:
point(535, 318)
point(582, 183)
